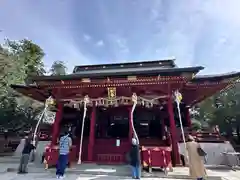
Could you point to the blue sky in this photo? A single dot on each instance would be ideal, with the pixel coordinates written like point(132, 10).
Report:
point(195, 32)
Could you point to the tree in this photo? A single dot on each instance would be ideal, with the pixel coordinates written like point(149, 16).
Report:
point(205, 110)
point(11, 72)
point(29, 110)
point(222, 109)
point(29, 54)
point(18, 60)
point(196, 125)
point(58, 68)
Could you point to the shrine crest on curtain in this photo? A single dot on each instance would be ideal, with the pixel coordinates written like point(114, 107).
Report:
point(112, 93)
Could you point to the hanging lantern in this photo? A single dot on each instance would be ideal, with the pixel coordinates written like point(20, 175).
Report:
point(51, 104)
point(50, 101)
point(178, 97)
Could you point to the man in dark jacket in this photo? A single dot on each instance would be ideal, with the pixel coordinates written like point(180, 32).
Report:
point(135, 159)
point(28, 147)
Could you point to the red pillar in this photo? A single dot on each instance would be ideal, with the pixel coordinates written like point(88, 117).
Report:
point(173, 132)
point(130, 135)
point(92, 134)
point(58, 118)
point(188, 117)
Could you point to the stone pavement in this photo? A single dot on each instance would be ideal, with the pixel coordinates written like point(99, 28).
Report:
point(50, 176)
point(93, 171)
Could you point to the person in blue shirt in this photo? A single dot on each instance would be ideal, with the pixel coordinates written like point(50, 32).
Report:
point(65, 144)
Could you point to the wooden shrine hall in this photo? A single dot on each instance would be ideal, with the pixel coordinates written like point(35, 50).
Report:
point(103, 104)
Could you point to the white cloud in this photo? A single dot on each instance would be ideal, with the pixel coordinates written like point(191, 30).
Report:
point(122, 44)
point(119, 47)
point(86, 37)
point(50, 33)
point(100, 43)
point(198, 32)
point(61, 47)
point(155, 12)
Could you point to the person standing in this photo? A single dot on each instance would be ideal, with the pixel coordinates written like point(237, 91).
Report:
point(28, 147)
point(6, 134)
point(195, 159)
point(65, 144)
point(135, 160)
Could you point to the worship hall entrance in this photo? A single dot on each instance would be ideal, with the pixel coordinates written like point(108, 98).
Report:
point(107, 134)
point(113, 132)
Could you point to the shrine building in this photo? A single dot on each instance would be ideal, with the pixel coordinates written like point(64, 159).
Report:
point(109, 93)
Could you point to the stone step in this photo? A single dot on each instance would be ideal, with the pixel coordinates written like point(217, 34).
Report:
point(115, 174)
point(11, 159)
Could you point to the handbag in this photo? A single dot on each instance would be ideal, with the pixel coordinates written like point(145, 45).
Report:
point(201, 152)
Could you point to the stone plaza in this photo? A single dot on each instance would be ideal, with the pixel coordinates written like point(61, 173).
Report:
point(8, 171)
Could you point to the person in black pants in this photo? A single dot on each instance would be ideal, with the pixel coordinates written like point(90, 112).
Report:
point(135, 159)
point(25, 156)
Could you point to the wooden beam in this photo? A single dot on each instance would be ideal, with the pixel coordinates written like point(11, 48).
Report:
point(115, 82)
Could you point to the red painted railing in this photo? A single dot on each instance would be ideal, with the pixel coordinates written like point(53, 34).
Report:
point(159, 157)
point(105, 151)
point(52, 153)
point(110, 158)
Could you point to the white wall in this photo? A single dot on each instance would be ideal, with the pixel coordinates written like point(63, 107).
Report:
point(214, 153)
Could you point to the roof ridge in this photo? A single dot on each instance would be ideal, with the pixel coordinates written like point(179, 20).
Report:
point(217, 75)
point(170, 60)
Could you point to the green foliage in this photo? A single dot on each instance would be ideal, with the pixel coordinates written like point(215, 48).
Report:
point(58, 68)
point(196, 125)
point(7, 69)
point(29, 110)
point(222, 109)
point(29, 56)
point(18, 60)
